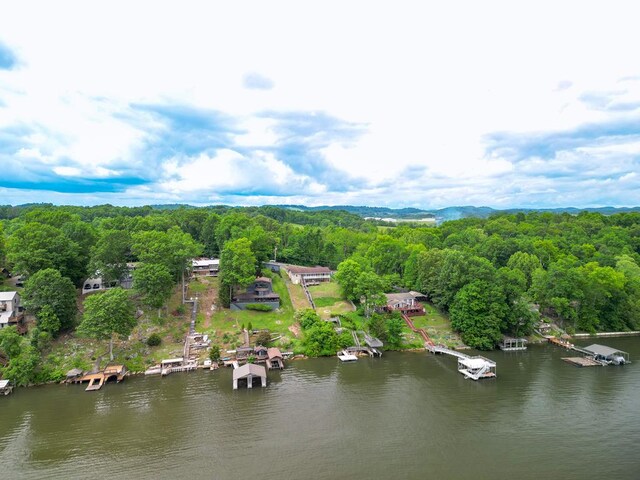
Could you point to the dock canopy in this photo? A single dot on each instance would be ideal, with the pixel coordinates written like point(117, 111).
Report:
point(510, 344)
point(608, 353)
point(171, 361)
point(248, 372)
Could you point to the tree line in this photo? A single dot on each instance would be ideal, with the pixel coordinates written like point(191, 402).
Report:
point(492, 276)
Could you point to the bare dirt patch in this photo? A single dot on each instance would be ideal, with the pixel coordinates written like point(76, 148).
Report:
point(296, 330)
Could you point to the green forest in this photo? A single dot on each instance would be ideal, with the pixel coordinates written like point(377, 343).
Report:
point(493, 276)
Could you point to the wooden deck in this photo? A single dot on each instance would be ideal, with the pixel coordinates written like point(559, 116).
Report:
point(582, 361)
point(97, 379)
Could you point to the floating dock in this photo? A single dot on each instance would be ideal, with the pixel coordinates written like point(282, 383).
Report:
point(582, 361)
point(97, 379)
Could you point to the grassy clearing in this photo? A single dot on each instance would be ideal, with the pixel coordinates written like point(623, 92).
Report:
point(328, 300)
point(225, 321)
point(438, 326)
point(325, 289)
point(325, 301)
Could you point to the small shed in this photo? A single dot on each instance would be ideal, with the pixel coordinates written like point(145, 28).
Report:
point(261, 352)
point(249, 372)
point(275, 360)
point(608, 354)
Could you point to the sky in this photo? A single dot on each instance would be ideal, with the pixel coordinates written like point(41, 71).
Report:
point(380, 103)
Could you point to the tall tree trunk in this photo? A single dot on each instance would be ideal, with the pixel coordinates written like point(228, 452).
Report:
point(111, 347)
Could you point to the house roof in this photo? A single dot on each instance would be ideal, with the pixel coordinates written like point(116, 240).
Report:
point(7, 296)
point(249, 369)
point(274, 352)
point(263, 279)
point(476, 362)
point(172, 360)
point(302, 270)
point(205, 262)
point(399, 297)
point(602, 350)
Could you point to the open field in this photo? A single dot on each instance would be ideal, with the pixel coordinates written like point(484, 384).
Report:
point(328, 300)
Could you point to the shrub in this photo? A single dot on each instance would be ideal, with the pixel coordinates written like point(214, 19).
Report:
point(214, 353)
point(258, 307)
point(307, 318)
point(154, 340)
point(263, 338)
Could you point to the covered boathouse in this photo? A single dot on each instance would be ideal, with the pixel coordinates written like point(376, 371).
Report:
point(509, 344)
point(248, 373)
point(609, 355)
point(477, 367)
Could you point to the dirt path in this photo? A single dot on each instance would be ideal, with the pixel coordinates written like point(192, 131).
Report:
point(207, 301)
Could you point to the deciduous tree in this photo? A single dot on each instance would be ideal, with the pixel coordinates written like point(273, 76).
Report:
point(108, 314)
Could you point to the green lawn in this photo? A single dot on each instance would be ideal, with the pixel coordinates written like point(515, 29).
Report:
point(325, 301)
point(325, 289)
point(277, 321)
point(437, 325)
point(328, 300)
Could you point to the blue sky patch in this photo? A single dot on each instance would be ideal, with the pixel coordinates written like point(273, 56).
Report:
point(8, 59)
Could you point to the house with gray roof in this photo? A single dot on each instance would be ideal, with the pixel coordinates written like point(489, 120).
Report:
point(11, 310)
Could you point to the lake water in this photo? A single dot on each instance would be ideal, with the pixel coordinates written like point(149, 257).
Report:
point(405, 416)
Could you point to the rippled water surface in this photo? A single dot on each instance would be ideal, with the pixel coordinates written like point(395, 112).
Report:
point(407, 415)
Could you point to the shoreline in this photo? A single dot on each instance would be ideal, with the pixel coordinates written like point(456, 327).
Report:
point(578, 336)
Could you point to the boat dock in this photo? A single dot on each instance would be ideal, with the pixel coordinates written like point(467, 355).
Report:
point(509, 344)
point(96, 380)
point(593, 355)
point(474, 368)
point(583, 361)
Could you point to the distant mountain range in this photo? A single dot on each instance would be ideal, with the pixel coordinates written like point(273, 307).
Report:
point(451, 213)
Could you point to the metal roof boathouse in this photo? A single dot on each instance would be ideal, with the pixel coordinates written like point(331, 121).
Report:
point(477, 367)
point(249, 372)
point(509, 344)
point(609, 355)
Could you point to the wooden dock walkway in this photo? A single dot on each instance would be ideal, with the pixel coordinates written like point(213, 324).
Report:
point(307, 293)
point(474, 368)
point(420, 331)
point(583, 361)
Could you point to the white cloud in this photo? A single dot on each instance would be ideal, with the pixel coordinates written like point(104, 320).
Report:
point(428, 80)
